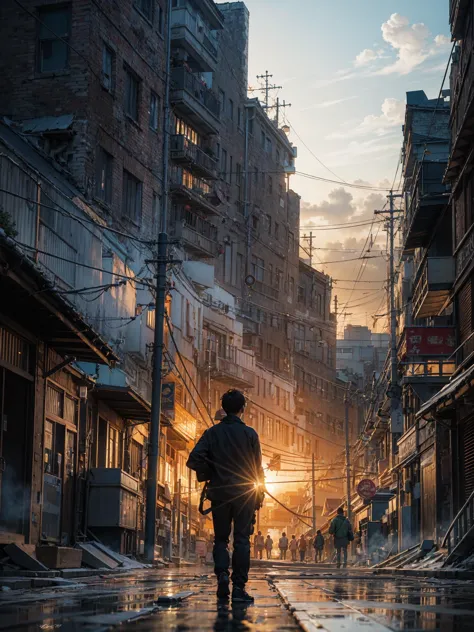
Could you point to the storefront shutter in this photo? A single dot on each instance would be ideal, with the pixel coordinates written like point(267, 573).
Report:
point(468, 453)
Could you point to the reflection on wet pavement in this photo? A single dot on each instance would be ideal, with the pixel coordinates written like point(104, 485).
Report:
point(371, 603)
point(324, 601)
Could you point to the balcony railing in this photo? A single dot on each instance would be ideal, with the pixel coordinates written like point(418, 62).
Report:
point(462, 100)
point(431, 290)
point(267, 290)
point(232, 365)
point(195, 191)
point(198, 234)
point(190, 94)
point(459, 537)
point(183, 150)
point(436, 368)
point(194, 35)
point(427, 198)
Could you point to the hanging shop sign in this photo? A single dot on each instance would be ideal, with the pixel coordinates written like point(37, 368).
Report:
point(168, 395)
point(366, 489)
point(430, 341)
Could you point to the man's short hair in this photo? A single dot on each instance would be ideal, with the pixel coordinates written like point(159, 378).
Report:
point(340, 511)
point(233, 402)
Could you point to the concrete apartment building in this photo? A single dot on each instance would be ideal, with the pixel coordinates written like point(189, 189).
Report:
point(361, 353)
point(81, 173)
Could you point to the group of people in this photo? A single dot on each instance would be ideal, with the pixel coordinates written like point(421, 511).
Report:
point(295, 545)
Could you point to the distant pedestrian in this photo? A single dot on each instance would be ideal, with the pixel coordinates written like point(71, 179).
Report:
point(341, 529)
point(302, 546)
point(283, 546)
point(269, 547)
point(318, 546)
point(259, 545)
point(293, 547)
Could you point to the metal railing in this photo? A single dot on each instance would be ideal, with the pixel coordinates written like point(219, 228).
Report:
point(183, 79)
point(182, 17)
point(461, 527)
point(182, 147)
point(265, 289)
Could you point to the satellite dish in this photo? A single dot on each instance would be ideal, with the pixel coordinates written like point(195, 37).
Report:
point(250, 280)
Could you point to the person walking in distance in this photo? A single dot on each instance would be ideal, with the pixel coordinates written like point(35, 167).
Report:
point(318, 546)
point(259, 545)
point(228, 457)
point(293, 547)
point(302, 546)
point(269, 547)
point(283, 546)
point(341, 529)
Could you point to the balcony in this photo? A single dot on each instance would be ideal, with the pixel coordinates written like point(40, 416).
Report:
point(191, 97)
point(428, 198)
point(197, 234)
point(194, 192)
point(266, 290)
point(190, 33)
point(187, 153)
point(462, 107)
point(233, 366)
point(432, 289)
point(435, 371)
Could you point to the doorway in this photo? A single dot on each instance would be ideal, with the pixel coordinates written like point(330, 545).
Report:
point(15, 393)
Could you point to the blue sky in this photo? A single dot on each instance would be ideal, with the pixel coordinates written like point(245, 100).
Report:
point(345, 67)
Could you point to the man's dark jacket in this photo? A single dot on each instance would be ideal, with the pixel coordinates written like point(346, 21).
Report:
point(228, 455)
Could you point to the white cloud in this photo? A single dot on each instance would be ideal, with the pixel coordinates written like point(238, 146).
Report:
point(412, 43)
point(391, 117)
point(339, 206)
point(365, 57)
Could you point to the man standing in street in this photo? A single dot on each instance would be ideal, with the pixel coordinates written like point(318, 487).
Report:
point(283, 546)
point(293, 547)
point(269, 547)
point(259, 545)
point(341, 529)
point(229, 458)
point(302, 545)
point(318, 546)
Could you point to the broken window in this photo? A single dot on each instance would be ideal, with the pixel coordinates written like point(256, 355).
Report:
point(53, 34)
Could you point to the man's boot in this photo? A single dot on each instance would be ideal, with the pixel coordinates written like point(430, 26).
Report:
point(239, 594)
point(223, 590)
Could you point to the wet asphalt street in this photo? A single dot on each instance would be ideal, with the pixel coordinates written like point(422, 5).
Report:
point(286, 599)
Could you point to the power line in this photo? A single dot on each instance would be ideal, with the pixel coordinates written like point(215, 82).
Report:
point(318, 227)
point(80, 220)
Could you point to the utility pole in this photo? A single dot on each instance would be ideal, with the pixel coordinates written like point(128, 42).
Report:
point(313, 493)
point(335, 307)
point(162, 259)
point(178, 520)
point(310, 251)
point(278, 106)
point(348, 453)
point(396, 421)
point(267, 87)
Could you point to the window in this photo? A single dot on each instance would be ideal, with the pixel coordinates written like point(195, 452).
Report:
point(154, 109)
point(231, 109)
point(269, 146)
point(238, 177)
point(224, 163)
point(132, 197)
point(258, 268)
point(277, 230)
point(255, 222)
point(291, 288)
point(301, 294)
point(256, 175)
point(221, 101)
point(150, 318)
point(269, 351)
point(160, 19)
point(131, 94)
point(270, 274)
point(104, 176)
point(53, 52)
point(113, 451)
point(269, 223)
point(263, 139)
point(146, 8)
point(108, 62)
point(278, 156)
point(270, 184)
point(278, 278)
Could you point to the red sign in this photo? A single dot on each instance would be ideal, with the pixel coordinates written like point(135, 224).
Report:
point(429, 341)
point(366, 489)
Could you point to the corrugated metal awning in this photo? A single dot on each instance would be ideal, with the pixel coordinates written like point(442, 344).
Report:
point(447, 392)
point(125, 401)
point(29, 300)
